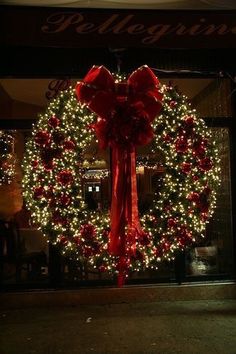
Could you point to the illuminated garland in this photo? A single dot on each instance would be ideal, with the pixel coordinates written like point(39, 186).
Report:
point(7, 160)
point(54, 171)
point(186, 195)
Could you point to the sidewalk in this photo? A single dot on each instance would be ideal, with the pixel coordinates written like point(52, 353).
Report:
point(186, 327)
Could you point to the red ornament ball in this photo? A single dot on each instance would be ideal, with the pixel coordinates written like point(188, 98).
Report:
point(69, 145)
point(38, 192)
point(173, 104)
point(181, 145)
point(65, 177)
point(53, 122)
point(42, 138)
point(186, 167)
point(87, 231)
point(34, 163)
point(205, 164)
point(65, 200)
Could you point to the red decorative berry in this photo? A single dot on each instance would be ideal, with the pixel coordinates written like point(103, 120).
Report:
point(173, 104)
point(34, 163)
point(167, 138)
point(57, 218)
point(65, 177)
point(63, 240)
point(205, 164)
point(69, 145)
point(87, 231)
point(102, 268)
point(42, 138)
point(186, 167)
point(189, 121)
point(194, 197)
point(181, 145)
point(38, 192)
point(65, 200)
point(171, 222)
point(53, 122)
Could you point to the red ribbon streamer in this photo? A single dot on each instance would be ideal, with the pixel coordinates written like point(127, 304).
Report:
point(125, 111)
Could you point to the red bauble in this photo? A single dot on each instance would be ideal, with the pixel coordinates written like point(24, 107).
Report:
point(167, 138)
point(77, 240)
point(69, 145)
point(34, 163)
point(65, 177)
point(57, 153)
point(205, 164)
point(186, 167)
point(65, 200)
point(38, 192)
point(57, 218)
point(199, 151)
point(189, 121)
point(88, 251)
point(158, 252)
point(204, 217)
point(184, 237)
point(102, 268)
point(173, 104)
point(53, 122)
point(87, 231)
point(42, 138)
point(199, 148)
point(63, 240)
point(194, 197)
point(171, 222)
point(165, 244)
point(181, 145)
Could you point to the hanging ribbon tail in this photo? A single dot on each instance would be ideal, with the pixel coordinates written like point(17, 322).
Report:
point(125, 224)
point(117, 237)
point(122, 271)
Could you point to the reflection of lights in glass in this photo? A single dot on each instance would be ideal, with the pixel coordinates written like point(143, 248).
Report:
point(90, 189)
point(97, 189)
point(95, 174)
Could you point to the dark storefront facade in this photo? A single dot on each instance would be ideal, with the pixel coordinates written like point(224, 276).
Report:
point(44, 50)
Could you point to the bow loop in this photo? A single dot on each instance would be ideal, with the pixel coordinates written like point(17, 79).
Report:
point(119, 104)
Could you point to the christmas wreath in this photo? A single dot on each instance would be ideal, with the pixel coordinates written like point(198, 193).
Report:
point(54, 171)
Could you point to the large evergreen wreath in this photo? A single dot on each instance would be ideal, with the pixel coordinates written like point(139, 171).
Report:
point(183, 203)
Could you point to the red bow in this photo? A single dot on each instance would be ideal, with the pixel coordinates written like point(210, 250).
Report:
point(125, 111)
